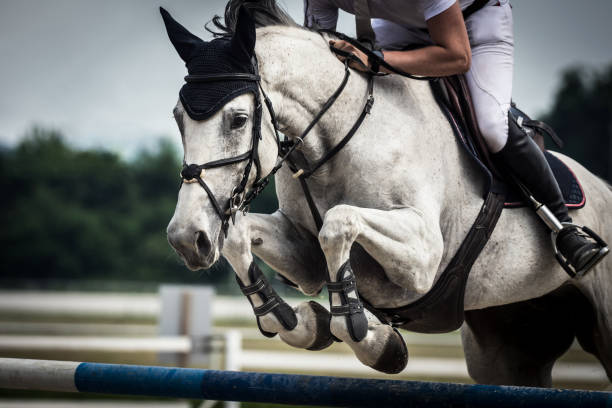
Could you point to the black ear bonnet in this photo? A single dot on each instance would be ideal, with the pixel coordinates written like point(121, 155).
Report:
point(219, 56)
point(201, 100)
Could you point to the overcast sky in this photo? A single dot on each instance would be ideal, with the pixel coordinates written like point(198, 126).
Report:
point(105, 73)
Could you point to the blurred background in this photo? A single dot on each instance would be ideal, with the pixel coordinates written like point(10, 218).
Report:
point(89, 159)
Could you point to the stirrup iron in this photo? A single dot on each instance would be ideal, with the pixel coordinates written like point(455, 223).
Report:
point(565, 263)
point(556, 227)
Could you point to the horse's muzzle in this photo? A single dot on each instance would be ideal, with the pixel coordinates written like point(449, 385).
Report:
point(194, 246)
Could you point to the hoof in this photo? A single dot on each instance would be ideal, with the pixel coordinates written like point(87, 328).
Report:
point(394, 356)
point(324, 337)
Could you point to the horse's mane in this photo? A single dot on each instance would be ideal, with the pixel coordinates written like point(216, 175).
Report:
point(264, 12)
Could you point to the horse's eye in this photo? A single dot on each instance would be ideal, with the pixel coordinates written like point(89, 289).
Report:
point(239, 120)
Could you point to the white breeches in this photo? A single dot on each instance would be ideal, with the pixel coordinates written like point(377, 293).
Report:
point(490, 76)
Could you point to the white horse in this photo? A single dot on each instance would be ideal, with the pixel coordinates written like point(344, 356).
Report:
point(397, 201)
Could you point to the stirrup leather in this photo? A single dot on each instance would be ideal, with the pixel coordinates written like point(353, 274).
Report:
point(565, 263)
point(350, 307)
point(272, 302)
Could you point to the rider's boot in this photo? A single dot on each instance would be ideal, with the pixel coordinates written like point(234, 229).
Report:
point(525, 160)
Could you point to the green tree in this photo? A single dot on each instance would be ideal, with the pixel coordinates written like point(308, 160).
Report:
point(582, 115)
point(70, 214)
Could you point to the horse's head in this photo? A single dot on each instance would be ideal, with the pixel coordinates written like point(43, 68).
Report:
point(219, 115)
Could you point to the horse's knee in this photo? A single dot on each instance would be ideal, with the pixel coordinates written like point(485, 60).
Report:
point(340, 228)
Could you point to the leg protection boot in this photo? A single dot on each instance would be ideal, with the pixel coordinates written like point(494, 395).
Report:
point(524, 159)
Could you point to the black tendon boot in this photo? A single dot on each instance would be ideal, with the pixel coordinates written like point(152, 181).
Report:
point(527, 163)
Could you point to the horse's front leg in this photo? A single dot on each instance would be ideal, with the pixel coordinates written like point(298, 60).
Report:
point(408, 248)
point(278, 243)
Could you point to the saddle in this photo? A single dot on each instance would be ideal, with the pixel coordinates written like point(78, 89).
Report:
point(453, 95)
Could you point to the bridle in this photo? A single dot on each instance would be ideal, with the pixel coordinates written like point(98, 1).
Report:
point(242, 196)
point(192, 173)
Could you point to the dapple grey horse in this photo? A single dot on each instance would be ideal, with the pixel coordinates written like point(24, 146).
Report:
point(397, 201)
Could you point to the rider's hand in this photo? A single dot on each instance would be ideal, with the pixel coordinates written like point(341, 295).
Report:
point(346, 47)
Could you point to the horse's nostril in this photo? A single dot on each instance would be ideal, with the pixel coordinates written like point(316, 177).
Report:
point(203, 244)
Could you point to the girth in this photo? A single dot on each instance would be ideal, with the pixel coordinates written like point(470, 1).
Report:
point(441, 310)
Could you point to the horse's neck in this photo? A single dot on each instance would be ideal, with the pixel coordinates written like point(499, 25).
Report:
point(300, 73)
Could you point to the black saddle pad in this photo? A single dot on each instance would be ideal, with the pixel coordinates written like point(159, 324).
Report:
point(573, 194)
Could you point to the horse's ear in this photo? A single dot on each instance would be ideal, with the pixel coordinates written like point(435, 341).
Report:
point(243, 41)
point(185, 43)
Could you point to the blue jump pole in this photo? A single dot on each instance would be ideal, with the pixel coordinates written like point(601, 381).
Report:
point(279, 388)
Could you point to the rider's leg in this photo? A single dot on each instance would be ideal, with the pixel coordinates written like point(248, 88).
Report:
point(490, 76)
point(527, 162)
point(490, 83)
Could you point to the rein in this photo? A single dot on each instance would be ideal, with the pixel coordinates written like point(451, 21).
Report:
point(302, 174)
point(371, 56)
